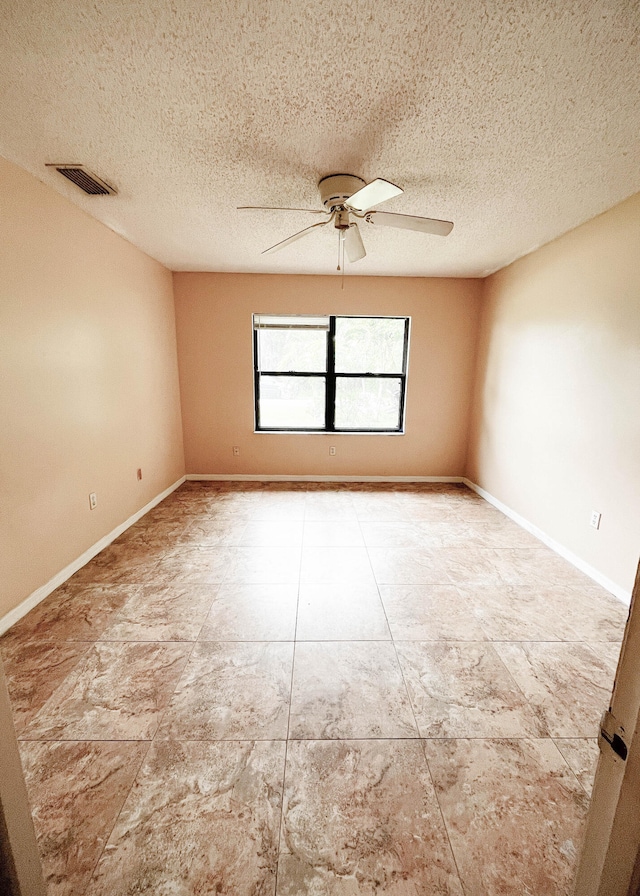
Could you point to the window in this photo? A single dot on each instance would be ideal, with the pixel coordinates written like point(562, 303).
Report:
point(330, 374)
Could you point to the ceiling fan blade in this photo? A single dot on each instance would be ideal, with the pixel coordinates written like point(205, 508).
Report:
point(410, 222)
point(280, 208)
point(353, 244)
point(371, 194)
point(292, 239)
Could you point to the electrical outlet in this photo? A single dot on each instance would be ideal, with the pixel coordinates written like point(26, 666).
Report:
point(236, 451)
point(595, 519)
point(139, 474)
point(93, 501)
point(332, 451)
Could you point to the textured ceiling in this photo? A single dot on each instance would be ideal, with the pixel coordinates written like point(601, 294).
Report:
point(516, 120)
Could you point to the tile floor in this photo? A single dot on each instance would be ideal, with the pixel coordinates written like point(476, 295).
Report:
point(314, 689)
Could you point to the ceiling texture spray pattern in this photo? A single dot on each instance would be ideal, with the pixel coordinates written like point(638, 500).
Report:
point(515, 120)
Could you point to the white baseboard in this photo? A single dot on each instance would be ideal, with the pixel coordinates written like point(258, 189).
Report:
point(276, 477)
point(39, 594)
point(591, 571)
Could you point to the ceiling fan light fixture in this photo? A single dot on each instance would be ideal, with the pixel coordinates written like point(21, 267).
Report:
point(353, 244)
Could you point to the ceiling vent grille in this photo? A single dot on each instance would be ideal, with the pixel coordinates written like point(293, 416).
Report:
point(83, 178)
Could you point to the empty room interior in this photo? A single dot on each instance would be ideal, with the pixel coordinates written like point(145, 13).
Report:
point(320, 444)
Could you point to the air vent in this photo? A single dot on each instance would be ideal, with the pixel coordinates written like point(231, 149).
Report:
point(84, 179)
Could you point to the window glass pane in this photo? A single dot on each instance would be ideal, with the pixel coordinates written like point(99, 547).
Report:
point(369, 344)
point(300, 350)
point(295, 402)
point(363, 403)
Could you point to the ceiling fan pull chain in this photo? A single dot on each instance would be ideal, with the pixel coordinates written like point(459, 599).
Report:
point(339, 244)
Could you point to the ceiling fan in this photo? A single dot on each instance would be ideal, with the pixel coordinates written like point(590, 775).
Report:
point(347, 199)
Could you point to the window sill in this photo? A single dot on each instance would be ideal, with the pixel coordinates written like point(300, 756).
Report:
point(322, 432)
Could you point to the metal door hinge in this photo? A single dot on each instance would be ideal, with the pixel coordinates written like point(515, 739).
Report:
point(612, 734)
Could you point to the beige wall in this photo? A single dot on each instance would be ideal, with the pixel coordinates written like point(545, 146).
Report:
point(88, 382)
point(213, 316)
point(556, 420)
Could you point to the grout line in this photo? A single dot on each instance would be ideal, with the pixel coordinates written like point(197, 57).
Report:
point(122, 805)
point(173, 692)
point(241, 740)
point(393, 641)
point(286, 743)
point(571, 770)
point(539, 719)
point(440, 810)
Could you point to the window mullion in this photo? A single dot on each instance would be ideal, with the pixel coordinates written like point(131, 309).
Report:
point(330, 405)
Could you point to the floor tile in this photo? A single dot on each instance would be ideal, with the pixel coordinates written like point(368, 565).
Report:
point(535, 566)
point(361, 817)
point(475, 511)
point(565, 683)
point(79, 612)
point(201, 564)
point(116, 692)
point(160, 532)
point(34, 670)
point(216, 532)
point(413, 499)
point(232, 691)
point(119, 569)
point(370, 508)
point(430, 512)
point(341, 612)
point(521, 613)
point(349, 689)
point(408, 566)
point(335, 565)
point(264, 565)
point(332, 533)
point(514, 813)
point(403, 534)
point(581, 755)
point(453, 532)
point(429, 613)
point(608, 652)
point(215, 513)
point(280, 507)
point(76, 791)
point(201, 818)
point(247, 612)
point(472, 566)
point(166, 613)
point(272, 533)
point(461, 689)
point(505, 534)
point(329, 508)
point(595, 615)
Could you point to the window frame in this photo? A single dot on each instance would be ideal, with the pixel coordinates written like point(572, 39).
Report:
point(331, 377)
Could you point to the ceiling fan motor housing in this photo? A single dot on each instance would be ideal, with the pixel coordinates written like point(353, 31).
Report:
point(337, 188)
